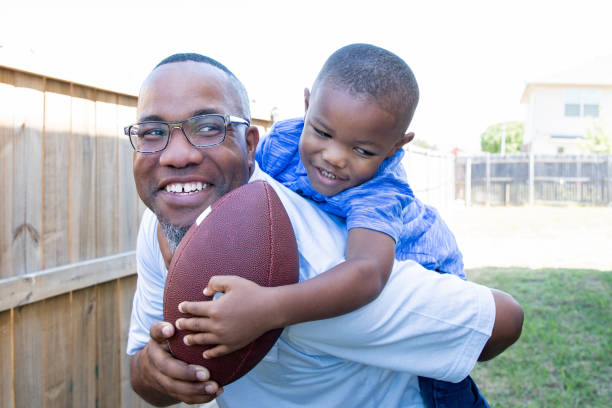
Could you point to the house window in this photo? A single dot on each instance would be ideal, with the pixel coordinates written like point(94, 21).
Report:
point(566, 137)
point(582, 102)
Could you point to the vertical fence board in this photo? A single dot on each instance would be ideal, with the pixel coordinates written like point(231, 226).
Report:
point(6, 363)
point(83, 174)
point(127, 204)
point(56, 234)
point(57, 352)
point(27, 187)
point(83, 343)
point(28, 343)
point(108, 393)
point(127, 286)
point(106, 173)
point(7, 128)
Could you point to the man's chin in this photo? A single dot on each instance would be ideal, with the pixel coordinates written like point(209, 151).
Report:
point(178, 217)
point(174, 234)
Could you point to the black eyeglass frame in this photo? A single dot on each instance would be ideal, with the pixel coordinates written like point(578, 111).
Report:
point(227, 120)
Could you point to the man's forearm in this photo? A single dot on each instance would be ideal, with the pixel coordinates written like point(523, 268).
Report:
point(508, 325)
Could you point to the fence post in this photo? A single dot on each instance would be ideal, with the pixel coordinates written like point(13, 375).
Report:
point(531, 177)
point(578, 176)
point(468, 181)
point(488, 200)
point(609, 179)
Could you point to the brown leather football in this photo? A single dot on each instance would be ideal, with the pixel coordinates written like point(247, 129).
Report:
point(246, 233)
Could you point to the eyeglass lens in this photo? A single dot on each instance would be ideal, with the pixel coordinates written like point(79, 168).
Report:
point(201, 131)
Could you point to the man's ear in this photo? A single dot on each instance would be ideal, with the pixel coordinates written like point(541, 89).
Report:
point(251, 137)
point(306, 100)
point(407, 138)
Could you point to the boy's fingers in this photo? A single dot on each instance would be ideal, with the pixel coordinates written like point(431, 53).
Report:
point(220, 283)
point(202, 339)
point(195, 308)
point(217, 351)
point(195, 324)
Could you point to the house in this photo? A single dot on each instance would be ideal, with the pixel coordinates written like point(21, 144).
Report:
point(564, 108)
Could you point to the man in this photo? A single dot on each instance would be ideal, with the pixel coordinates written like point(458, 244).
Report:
point(421, 324)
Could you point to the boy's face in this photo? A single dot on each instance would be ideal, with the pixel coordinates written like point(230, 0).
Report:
point(346, 138)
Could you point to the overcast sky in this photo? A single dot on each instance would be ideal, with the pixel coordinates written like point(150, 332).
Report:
point(471, 58)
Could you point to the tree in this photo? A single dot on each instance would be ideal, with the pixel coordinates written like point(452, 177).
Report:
point(598, 139)
point(490, 140)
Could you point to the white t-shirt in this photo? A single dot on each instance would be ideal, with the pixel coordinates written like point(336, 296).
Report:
point(422, 324)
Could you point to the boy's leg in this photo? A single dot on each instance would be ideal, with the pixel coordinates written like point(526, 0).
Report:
point(442, 394)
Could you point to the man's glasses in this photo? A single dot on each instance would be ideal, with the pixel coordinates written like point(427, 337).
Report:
point(200, 131)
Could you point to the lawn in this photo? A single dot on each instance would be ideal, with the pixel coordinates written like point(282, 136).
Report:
point(564, 355)
point(557, 262)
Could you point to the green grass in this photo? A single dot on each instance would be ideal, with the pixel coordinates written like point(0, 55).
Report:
point(564, 355)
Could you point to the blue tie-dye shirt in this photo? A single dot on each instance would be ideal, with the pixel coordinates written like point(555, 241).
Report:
point(385, 203)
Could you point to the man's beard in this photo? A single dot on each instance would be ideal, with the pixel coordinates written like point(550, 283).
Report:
point(174, 235)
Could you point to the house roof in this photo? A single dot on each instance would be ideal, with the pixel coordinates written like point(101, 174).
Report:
point(594, 73)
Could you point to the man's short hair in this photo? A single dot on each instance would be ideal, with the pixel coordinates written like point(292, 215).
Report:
point(190, 56)
point(374, 71)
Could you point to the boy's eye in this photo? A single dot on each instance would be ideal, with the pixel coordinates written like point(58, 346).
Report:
point(363, 152)
point(321, 133)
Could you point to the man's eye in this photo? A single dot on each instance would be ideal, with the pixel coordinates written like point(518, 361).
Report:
point(208, 128)
point(363, 152)
point(152, 133)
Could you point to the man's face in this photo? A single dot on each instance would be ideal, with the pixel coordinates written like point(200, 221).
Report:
point(345, 139)
point(175, 92)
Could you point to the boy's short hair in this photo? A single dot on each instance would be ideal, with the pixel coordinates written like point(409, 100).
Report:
point(371, 70)
point(191, 56)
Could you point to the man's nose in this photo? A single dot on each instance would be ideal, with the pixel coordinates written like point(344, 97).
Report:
point(335, 156)
point(179, 152)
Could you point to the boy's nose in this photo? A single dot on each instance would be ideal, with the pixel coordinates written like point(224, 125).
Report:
point(179, 152)
point(334, 157)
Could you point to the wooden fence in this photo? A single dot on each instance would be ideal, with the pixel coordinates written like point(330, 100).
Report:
point(519, 179)
point(69, 215)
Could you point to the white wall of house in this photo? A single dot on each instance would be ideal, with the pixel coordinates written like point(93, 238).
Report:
point(559, 116)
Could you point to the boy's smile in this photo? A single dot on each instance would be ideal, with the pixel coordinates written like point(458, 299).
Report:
point(345, 138)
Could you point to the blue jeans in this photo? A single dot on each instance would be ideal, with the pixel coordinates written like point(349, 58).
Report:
point(442, 394)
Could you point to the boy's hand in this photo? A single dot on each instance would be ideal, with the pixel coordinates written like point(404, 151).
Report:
point(244, 312)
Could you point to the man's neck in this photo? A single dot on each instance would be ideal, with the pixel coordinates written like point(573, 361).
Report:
point(164, 246)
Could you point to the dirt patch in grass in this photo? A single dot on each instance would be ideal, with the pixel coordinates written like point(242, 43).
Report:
point(533, 237)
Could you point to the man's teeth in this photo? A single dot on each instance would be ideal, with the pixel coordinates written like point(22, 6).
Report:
point(328, 174)
point(185, 187)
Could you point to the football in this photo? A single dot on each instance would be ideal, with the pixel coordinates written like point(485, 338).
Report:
point(245, 233)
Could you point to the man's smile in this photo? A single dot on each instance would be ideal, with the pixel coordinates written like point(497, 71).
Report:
point(186, 188)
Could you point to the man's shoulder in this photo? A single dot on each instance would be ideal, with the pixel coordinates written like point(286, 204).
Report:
point(321, 237)
point(289, 198)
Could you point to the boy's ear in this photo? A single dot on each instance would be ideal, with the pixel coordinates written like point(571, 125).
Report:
point(407, 138)
point(306, 100)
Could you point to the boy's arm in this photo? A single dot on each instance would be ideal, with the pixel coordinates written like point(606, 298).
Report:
point(247, 310)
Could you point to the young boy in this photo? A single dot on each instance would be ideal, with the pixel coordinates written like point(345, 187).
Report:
point(346, 156)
